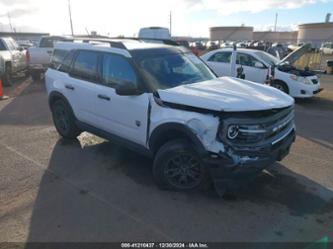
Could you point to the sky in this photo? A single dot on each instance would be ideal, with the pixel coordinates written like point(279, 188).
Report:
point(126, 17)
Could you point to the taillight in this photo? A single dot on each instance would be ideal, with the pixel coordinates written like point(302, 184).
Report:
point(27, 56)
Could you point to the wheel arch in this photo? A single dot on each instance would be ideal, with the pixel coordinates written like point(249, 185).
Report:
point(170, 131)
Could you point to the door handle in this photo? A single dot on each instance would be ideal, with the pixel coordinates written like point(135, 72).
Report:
point(70, 87)
point(101, 96)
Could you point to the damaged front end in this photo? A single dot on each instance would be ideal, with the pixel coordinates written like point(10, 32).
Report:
point(252, 142)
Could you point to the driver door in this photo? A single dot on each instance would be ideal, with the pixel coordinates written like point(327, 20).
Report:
point(254, 70)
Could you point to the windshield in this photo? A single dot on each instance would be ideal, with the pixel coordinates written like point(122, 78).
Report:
point(170, 69)
point(270, 59)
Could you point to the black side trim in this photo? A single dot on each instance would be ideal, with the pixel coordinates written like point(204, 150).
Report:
point(160, 131)
point(114, 138)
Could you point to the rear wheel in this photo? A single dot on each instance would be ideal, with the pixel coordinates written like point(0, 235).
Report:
point(35, 75)
point(64, 120)
point(177, 166)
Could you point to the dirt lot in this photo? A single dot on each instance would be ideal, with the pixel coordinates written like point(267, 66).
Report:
point(93, 190)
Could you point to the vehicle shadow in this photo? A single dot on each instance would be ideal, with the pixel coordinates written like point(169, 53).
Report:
point(92, 189)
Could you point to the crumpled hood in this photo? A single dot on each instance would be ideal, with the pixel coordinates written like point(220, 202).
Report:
point(227, 94)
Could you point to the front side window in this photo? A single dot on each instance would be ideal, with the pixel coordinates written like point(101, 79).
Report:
point(166, 69)
point(85, 65)
point(66, 63)
point(116, 69)
point(246, 60)
point(223, 57)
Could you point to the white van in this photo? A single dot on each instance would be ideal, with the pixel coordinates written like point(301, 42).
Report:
point(155, 33)
point(256, 66)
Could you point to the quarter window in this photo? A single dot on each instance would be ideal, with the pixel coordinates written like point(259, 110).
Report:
point(223, 57)
point(85, 66)
point(116, 69)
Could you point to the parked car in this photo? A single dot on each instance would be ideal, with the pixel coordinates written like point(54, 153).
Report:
point(39, 57)
point(259, 66)
point(327, 48)
point(25, 44)
point(164, 102)
point(155, 33)
point(12, 59)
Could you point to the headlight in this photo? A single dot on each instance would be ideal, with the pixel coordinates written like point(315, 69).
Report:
point(300, 79)
point(233, 131)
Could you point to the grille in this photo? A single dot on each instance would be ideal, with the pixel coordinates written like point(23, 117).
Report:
point(257, 131)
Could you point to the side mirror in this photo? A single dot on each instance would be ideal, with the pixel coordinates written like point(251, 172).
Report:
point(127, 88)
point(258, 64)
point(20, 49)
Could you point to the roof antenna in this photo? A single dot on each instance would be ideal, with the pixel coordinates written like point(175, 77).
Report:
point(70, 16)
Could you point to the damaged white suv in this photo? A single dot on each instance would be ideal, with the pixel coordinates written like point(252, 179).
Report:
point(165, 102)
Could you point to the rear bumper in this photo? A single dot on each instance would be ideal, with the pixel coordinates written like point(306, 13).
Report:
point(227, 173)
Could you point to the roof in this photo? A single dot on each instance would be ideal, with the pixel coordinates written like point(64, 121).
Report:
point(120, 46)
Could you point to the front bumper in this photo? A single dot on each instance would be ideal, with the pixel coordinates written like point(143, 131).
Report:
point(228, 174)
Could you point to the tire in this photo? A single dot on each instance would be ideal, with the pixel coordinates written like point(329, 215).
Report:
point(177, 166)
point(35, 76)
point(64, 120)
point(281, 86)
point(7, 76)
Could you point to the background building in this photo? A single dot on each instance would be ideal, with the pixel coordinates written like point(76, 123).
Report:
point(226, 33)
point(315, 33)
point(275, 36)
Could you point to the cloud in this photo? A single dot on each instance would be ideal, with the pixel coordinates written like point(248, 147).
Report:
point(126, 17)
point(228, 7)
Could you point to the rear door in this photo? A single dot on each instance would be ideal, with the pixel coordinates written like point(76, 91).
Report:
point(125, 116)
point(219, 62)
point(80, 86)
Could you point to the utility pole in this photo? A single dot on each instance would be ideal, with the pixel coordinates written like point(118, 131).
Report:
point(70, 17)
point(170, 22)
point(276, 17)
point(10, 22)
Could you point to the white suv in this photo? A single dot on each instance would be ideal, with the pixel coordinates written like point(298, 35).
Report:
point(165, 102)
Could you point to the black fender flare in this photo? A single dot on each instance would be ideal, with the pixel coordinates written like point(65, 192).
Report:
point(162, 130)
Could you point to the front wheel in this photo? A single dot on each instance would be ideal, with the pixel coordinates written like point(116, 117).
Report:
point(64, 120)
point(281, 86)
point(177, 166)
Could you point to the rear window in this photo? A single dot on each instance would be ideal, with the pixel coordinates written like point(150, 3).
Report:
point(48, 42)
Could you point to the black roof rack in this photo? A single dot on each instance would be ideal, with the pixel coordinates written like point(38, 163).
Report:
point(113, 44)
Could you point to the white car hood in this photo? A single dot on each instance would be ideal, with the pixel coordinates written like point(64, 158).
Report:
point(227, 94)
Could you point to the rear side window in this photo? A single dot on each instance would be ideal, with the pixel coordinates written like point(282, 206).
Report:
point(223, 57)
point(85, 66)
point(116, 69)
point(58, 57)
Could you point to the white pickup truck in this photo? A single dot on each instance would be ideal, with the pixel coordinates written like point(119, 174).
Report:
point(12, 59)
point(39, 57)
